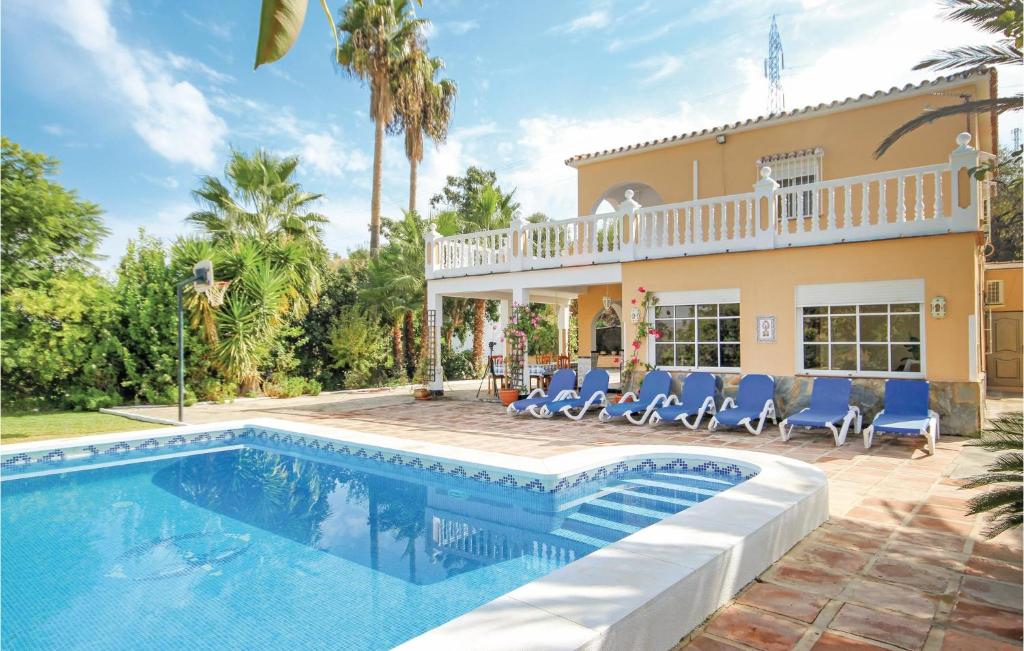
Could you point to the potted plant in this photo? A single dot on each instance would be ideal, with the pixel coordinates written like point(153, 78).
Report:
point(422, 390)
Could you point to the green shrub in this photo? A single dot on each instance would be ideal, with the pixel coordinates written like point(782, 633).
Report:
point(313, 388)
point(91, 399)
point(457, 366)
point(216, 390)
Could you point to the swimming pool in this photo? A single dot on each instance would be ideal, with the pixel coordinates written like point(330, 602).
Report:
point(264, 537)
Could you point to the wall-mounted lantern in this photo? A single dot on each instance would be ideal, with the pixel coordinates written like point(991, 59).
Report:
point(938, 307)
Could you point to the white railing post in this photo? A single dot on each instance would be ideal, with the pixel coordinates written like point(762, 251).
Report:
point(517, 244)
point(430, 254)
point(628, 223)
point(964, 207)
point(765, 188)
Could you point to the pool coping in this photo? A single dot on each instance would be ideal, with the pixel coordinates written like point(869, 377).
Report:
point(645, 591)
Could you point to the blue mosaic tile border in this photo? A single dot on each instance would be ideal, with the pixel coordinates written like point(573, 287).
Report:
point(281, 439)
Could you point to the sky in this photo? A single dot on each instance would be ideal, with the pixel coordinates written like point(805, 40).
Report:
point(139, 100)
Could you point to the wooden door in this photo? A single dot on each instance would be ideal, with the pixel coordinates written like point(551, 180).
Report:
point(1005, 359)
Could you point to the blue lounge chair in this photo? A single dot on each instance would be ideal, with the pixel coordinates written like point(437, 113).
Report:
point(830, 406)
point(655, 388)
point(755, 401)
point(906, 413)
point(697, 399)
point(592, 394)
point(562, 383)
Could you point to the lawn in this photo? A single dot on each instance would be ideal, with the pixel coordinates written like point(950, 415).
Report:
point(18, 428)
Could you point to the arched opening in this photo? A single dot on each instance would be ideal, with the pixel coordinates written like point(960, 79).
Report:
point(610, 199)
point(606, 331)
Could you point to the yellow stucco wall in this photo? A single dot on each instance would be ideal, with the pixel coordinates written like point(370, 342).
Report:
point(767, 282)
point(1013, 287)
point(589, 306)
point(848, 138)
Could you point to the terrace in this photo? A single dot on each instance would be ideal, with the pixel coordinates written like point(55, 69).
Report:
point(898, 565)
point(928, 200)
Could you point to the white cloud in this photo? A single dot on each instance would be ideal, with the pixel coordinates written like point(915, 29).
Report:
point(460, 27)
point(171, 116)
point(168, 182)
point(327, 156)
point(188, 64)
point(55, 130)
point(658, 67)
point(220, 30)
point(597, 19)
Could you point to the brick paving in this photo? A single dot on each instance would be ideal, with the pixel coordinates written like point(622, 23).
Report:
point(898, 566)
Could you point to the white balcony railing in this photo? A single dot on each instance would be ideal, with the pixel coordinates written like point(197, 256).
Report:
point(926, 200)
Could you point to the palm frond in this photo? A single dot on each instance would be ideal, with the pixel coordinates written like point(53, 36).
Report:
point(997, 105)
point(971, 56)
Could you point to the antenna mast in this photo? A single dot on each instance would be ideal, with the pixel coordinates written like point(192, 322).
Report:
point(773, 66)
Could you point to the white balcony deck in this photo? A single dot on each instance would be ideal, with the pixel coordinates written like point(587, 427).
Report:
point(928, 200)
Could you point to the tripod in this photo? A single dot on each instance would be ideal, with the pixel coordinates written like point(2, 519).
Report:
point(489, 375)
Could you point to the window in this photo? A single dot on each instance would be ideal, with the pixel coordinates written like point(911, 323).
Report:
point(699, 335)
point(879, 338)
point(993, 292)
point(791, 170)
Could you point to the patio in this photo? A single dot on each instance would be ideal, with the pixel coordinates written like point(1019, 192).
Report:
point(898, 566)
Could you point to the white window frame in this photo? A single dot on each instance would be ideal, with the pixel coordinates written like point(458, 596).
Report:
point(1000, 293)
point(852, 294)
point(804, 165)
point(696, 297)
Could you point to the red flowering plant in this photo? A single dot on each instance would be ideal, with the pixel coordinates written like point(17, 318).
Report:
point(521, 321)
point(632, 373)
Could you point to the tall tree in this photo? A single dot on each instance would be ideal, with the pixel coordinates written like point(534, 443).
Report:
point(45, 228)
point(477, 203)
point(423, 107)
point(378, 35)
point(263, 237)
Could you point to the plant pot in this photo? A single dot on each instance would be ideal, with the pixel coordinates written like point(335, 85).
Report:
point(422, 393)
point(508, 396)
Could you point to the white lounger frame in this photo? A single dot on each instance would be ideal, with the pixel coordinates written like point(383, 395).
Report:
point(656, 402)
point(597, 398)
point(929, 432)
point(852, 416)
point(512, 411)
point(768, 411)
point(708, 407)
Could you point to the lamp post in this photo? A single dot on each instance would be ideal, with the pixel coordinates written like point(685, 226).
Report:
point(202, 280)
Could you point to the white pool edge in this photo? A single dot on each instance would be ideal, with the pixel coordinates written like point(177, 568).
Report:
point(646, 591)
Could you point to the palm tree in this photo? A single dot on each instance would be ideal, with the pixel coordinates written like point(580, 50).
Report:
point(423, 107)
point(378, 36)
point(1001, 17)
point(261, 234)
point(490, 209)
point(1005, 434)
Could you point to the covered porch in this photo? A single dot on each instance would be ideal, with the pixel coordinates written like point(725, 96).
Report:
point(556, 287)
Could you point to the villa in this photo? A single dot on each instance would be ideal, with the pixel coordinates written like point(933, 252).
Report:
point(777, 245)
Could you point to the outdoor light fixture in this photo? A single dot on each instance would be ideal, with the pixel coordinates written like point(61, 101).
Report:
point(938, 305)
point(634, 315)
point(606, 302)
point(720, 138)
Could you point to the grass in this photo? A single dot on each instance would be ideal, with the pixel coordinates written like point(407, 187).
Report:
point(18, 428)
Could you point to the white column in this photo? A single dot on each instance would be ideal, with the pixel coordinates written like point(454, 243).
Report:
point(765, 189)
point(435, 302)
point(563, 328)
point(521, 297)
point(965, 207)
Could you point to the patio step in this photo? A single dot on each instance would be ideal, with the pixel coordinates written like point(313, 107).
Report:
point(671, 488)
point(663, 504)
point(580, 538)
point(624, 512)
point(608, 531)
point(693, 479)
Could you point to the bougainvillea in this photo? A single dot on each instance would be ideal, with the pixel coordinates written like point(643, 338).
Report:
point(643, 328)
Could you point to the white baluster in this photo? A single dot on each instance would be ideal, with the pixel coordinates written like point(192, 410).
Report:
point(883, 209)
point(937, 206)
point(901, 203)
point(919, 198)
point(831, 220)
point(865, 211)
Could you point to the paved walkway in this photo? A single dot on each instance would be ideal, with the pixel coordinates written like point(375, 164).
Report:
point(898, 566)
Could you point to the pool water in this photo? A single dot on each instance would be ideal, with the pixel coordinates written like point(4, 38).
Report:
point(244, 547)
